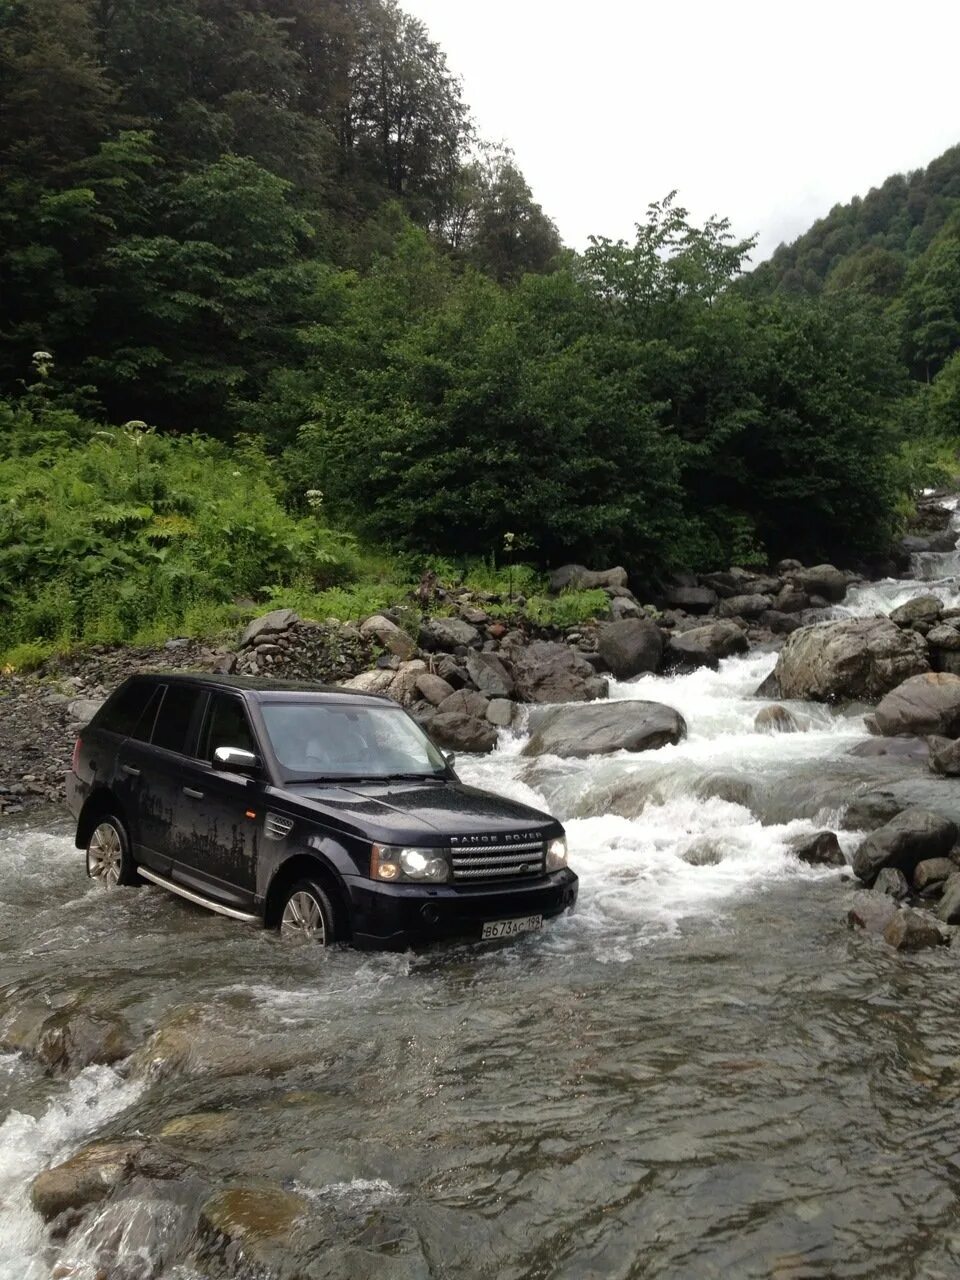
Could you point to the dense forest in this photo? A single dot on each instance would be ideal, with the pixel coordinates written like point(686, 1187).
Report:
point(276, 320)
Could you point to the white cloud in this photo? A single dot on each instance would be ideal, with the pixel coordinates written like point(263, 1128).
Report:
point(765, 112)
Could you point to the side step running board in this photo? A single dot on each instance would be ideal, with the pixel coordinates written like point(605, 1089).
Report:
point(246, 916)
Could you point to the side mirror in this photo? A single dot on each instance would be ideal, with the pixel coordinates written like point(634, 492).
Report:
point(236, 758)
point(450, 757)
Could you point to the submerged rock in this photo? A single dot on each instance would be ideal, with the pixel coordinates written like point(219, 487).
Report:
point(913, 931)
point(872, 810)
point(96, 1171)
point(574, 732)
point(857, 659)
point(819, 850)
point(871, 912)
point(65, 1040)
point(911, 837)
point(923, 704)
point(776, 719)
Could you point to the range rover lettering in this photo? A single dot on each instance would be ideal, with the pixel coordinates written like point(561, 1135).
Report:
point(323, 812)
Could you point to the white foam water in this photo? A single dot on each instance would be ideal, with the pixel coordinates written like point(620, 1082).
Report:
point(29, 1144)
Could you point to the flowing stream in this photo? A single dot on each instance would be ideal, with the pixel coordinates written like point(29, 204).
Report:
point(701, 1073)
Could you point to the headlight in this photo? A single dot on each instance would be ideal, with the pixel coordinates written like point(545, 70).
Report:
point(556, 854)
point(404, 862)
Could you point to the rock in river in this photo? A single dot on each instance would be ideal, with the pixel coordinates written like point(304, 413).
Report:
point(704, 646)
point(548, 672)
point(819, 850)
point(913, 931)
point(630, 647)
point(859, 658)
point(909, 838)
point(609, 726)
point(775, 719)
point(928, 703)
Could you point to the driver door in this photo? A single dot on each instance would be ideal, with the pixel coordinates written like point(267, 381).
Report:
point(219, 814)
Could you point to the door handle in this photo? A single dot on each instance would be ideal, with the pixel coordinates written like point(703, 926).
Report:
point(130, 771)
point(194, 795)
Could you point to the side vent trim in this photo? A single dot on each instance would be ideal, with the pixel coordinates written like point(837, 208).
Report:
point(276, 826)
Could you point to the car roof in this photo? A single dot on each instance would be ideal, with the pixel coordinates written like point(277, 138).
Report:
point(288, 690)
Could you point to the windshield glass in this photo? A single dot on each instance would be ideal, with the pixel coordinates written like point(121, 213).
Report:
point(337, 740)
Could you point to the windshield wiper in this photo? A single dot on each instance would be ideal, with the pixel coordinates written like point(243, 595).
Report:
point(372, 777)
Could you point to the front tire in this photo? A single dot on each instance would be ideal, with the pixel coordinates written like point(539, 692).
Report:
point(109, 860)
point(308, 915)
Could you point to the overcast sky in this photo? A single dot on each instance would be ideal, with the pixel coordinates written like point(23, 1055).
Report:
point(764, 111)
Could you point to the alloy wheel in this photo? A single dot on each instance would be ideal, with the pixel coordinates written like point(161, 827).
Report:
point(303, 918)
point(105, 855)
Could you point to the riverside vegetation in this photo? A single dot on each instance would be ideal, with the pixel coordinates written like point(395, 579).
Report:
point(272, 233)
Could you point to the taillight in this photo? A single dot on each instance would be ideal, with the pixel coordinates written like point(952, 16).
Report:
point(76, 754)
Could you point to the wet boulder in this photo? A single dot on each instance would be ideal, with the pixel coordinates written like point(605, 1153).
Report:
point(911, 837)
point(791, 600)
point(781, 624)
point(945, 636)
point(575, 732)
point(858, 658)
point(927, 703)
point(933, 872)
point(949, 908)
point(744, 606)
point(251, 1225)
point(465, 702)
point(871, 912)
point(490, 674)
point(903, 747)
point(822, 849)
point(704, 646)
point(893, 883)
point(871, 810)
point(96, 1171)
point(548, 672)
point(776, 719)
point(65, 1040)
point(500, 712)
point(821, 580)
point(924, 609)
point(630, 647)
point(913, 931)
point(945, 756)
point(459, 732)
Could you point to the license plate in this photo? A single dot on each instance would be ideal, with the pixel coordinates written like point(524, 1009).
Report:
point(510, 928)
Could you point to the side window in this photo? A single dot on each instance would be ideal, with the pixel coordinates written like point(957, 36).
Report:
point(227, 726)
point(125, 708)
point(173, 720)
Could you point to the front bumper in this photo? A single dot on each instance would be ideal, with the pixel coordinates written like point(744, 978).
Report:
point(394, 917)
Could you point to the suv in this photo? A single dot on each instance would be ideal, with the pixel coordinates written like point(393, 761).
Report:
point(324, 812)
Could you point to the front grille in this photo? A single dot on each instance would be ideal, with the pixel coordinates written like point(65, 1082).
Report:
point(497, 857)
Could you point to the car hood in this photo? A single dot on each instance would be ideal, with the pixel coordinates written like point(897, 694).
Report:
point(401, 812)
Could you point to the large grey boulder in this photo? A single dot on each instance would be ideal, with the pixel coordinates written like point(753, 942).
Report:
point(924, 704)
point(919, 609)
point(268, 624)
point(821, 580)
point(433, 688)
point(949, 908)
point(859, 658)
point(913, 931)
point(630, 647)
point(945, 636)
point(465, 702)
point(746, 606)
point(489, 673)
point(908, 839)
point(388, 635)
point(704, 646)
point(822, 849)
point(460, 732)
point(577, 577)
point(448, 633)
point(945, 757)
point(82, 710)
point(549, 672)
point(691, 599)
point(574, 732)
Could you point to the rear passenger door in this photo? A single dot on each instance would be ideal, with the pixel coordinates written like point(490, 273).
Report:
point(149, 769)
point(219, 811)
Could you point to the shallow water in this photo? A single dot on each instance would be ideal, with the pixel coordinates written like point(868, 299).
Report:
point(700, 1073)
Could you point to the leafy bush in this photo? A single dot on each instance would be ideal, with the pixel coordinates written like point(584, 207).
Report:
point(126, 534)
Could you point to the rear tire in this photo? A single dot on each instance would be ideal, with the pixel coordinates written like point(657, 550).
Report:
point(109, 860)
point(308, 915)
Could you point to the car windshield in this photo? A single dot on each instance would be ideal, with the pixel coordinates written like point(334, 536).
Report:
point(339, 741)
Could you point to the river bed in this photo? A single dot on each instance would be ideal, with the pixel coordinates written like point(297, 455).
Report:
point(700, 1073)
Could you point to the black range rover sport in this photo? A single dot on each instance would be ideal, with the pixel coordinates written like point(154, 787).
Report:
point(321, 811)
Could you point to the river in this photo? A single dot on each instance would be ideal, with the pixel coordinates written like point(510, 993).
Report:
point(701, 1073)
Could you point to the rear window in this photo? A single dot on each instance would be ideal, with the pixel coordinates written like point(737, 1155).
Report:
point(175, 717)
point(129, 711)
